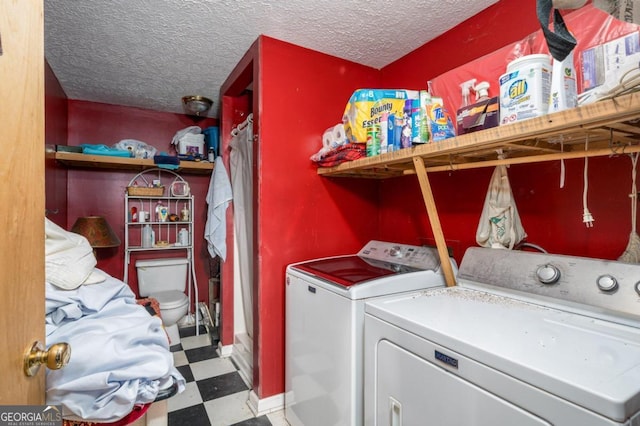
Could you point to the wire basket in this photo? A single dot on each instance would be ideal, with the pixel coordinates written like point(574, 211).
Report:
point(155, 191)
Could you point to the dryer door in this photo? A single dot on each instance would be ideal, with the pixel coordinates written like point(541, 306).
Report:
point(413, 391)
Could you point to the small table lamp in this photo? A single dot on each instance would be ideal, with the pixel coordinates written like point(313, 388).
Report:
point(96, 229)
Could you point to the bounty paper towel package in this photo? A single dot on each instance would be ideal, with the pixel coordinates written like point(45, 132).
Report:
point(366, 106)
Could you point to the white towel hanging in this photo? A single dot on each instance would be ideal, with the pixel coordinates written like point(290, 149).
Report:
point(218, 197)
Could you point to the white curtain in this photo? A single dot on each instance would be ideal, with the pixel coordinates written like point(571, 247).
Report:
point(241, 165)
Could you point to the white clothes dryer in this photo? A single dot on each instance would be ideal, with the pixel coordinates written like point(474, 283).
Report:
point(524, 339)
point(324, 325)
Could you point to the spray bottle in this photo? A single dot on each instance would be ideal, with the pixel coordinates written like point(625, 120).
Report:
point(482, 91)
point(466, 91)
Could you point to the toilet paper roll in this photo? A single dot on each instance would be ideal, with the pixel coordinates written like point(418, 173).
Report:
point(339, 134)
point(327, 139)
point(334, 136)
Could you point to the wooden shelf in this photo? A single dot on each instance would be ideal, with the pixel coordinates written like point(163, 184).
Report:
point(603, 128)
point(72, 159)
point(610, 127)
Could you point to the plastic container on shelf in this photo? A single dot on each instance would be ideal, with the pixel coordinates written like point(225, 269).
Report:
point(183, 237)
point(212, 139)
point(525, 88)
point(564, 86)
point(148, 236)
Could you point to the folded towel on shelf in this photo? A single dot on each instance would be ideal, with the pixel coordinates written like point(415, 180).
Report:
point(104, 150)
point(165, 161)
point(343, 153)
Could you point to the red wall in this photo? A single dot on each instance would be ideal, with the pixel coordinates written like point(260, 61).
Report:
point(237, 104)
point(101, 192)
point(551, 216)
point(299, 216)
point(303, 216)
point(498, 25)
point(55, 122)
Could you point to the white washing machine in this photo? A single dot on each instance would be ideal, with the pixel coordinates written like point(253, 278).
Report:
point(324, 325)
point(524, 339)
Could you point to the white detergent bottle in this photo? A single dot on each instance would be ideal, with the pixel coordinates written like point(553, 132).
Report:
point(183, 237)
point(564, 87)
point(147, 236)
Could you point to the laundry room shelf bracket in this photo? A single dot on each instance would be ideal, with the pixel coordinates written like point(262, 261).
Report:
point(434, 220)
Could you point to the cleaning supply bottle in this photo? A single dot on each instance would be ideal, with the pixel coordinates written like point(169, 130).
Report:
point(147, 236)
point(162, 213)
point(482, 91)
point(466, 91)
point(184, 213)
point(563, 93)
point(183, 237)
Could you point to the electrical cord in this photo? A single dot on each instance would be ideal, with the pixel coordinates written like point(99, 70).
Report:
point(587, 217)
point(629, 82)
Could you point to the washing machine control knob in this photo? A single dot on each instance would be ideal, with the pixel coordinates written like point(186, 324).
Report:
point(395, 251)
point(637, 287)
point(548, 274)
point(607, 283)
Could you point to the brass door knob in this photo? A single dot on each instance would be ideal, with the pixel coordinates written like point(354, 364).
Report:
point(56, 357)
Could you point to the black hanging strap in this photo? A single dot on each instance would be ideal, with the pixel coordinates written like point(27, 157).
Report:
point(560, 41)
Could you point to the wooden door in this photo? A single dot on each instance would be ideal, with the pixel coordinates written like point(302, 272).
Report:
point(22, 196)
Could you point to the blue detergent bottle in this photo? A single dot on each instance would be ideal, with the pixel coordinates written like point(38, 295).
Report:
point(212, 139)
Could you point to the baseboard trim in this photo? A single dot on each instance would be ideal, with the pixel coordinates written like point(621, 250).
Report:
point(264, 406)
point(224, 351)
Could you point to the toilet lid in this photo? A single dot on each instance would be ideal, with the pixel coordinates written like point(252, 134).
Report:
point(170, 299)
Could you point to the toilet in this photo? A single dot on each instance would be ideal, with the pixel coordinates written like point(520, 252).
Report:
point(165, 280)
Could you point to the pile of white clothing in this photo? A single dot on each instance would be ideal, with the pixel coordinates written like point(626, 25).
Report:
point(120, 354)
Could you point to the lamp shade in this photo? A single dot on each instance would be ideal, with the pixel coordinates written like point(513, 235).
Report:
point(96, 229)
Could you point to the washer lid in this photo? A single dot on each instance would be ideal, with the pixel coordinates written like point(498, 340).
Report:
point(377, 259)
point(170, 299)
point(345, 271)
point(590, 362)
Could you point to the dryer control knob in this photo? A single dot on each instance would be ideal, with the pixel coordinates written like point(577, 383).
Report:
point(607, 283)
point(548, 274)
point(395, 251)
point(637, 287)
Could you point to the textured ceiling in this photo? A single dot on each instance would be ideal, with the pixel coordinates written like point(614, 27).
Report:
point(150, 53)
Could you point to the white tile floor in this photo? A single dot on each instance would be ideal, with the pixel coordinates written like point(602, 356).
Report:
point(215, 393)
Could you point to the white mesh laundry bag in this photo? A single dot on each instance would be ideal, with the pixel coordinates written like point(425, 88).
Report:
point(500, 225)
point(632, 252)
